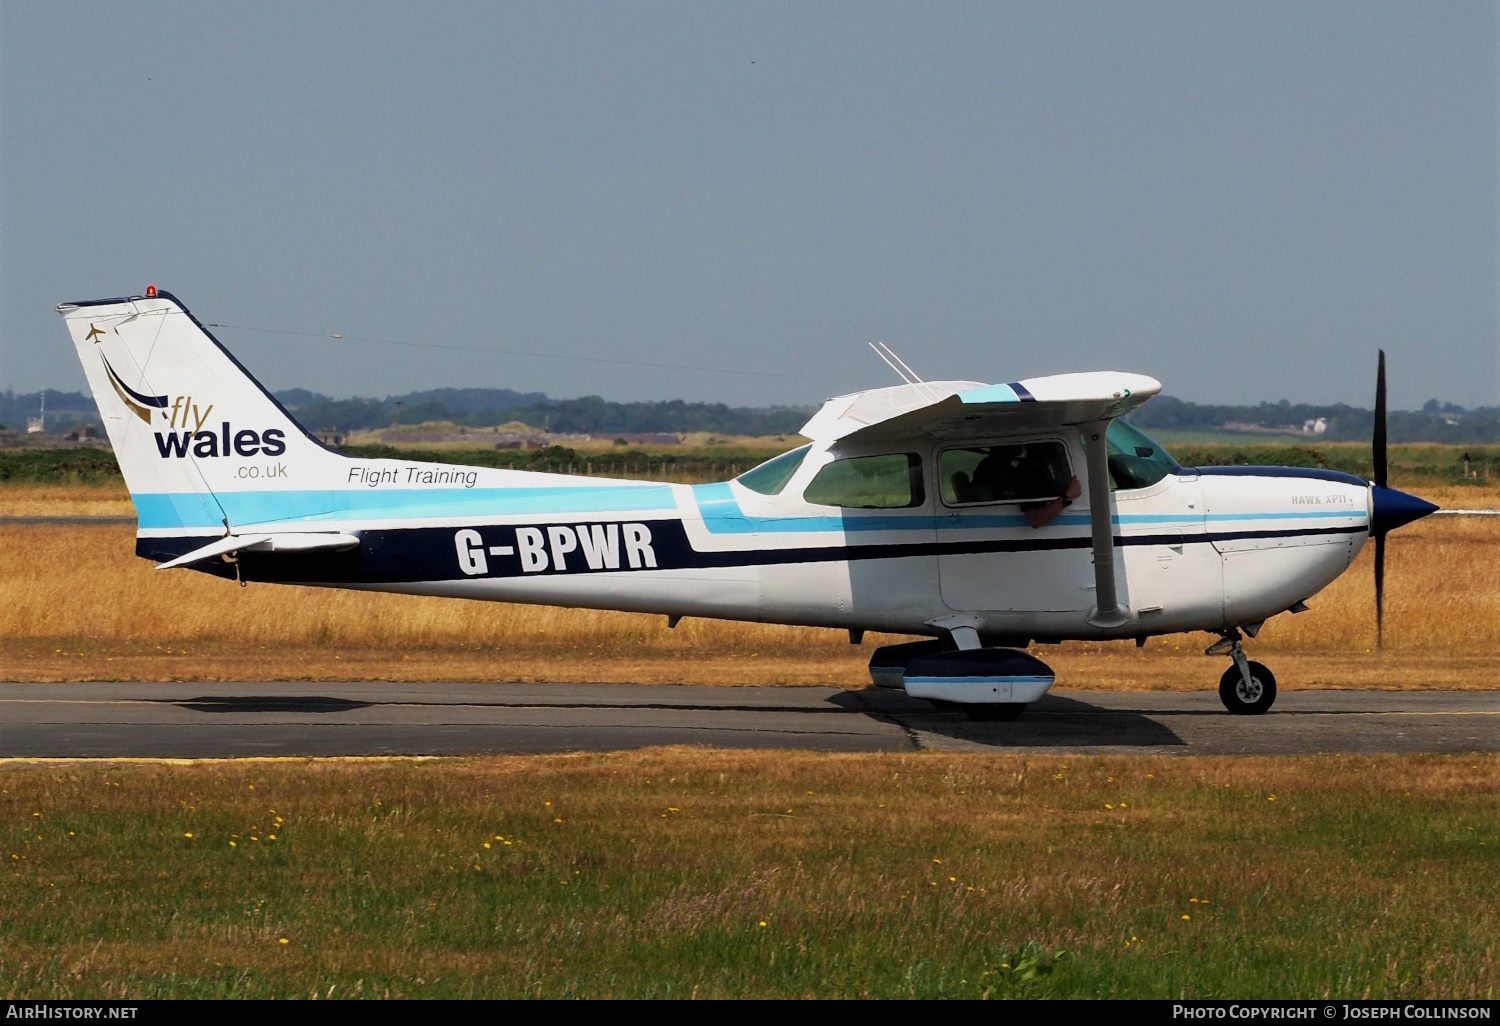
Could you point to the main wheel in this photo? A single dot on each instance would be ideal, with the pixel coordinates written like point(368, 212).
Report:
point(997, 711)
point(1247, 700)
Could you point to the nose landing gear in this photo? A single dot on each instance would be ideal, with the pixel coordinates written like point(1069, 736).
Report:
point(1247, 688)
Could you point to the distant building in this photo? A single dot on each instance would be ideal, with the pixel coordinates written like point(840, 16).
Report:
point(1315, 427)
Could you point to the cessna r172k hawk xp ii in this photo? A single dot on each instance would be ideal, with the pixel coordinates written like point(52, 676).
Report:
point(983, 517)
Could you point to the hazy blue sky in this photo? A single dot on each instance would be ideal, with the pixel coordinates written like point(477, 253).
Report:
point(1245, 200)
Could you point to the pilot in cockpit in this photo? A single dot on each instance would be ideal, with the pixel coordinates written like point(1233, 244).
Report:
point(1009, 473)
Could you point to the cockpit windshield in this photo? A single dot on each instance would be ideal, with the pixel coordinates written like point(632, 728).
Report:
point(771, 476)
point(1135, 459)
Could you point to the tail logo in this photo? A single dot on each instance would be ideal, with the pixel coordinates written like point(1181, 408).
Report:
point(94, 334)
point(194, 440)
point(198, 439)
point(136, 401)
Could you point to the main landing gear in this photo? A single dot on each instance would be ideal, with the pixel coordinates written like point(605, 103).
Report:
point(985, 683)
point(1247, 688)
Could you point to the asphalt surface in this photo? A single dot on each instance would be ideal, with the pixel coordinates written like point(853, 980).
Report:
point(86, 520)
point(175, 720)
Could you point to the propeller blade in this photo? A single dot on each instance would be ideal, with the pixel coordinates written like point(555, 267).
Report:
point(1379, 593)
point(1378, 440)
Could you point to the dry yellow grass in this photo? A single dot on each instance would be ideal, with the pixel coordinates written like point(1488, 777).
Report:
point(1457, 496)
point(77, 604)
point(66, 500)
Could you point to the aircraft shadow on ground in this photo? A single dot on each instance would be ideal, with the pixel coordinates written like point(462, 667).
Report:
point(271, 704)
point(1054, 722)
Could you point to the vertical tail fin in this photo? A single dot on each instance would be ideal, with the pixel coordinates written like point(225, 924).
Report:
point(188, 423)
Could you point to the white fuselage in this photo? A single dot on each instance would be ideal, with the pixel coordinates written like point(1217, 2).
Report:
point(1195, 551)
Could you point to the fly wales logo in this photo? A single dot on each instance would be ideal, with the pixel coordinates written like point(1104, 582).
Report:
point(188, 430)
point(138, 403)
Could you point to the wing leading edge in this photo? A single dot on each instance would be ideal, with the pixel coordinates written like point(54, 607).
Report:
point(957, 409)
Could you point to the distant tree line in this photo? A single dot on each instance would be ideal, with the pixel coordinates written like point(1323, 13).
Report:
point(591, 415)
point(470, 407)
point(64, 409)
point(1435, 422)
point(486, 407)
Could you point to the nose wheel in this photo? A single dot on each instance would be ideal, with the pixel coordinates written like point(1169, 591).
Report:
point(1247, 688)
point(1247, 698)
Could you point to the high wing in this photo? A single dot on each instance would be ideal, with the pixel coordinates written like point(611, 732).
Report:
point(970, 409)
point(958, 409)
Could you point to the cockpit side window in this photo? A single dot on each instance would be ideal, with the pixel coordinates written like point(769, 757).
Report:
point(771, 476)
point(1018, 472)
point(869, 482)
point(1135, 459)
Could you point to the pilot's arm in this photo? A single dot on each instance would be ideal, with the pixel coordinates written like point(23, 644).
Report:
point(1044, 513)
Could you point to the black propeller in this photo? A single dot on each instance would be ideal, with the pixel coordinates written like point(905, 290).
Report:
point(1391, 508)
point(1382, 471)
point(1381, 467)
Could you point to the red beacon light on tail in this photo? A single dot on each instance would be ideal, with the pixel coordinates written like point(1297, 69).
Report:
point(150, 291)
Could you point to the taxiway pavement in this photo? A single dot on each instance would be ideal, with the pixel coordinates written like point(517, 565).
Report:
point(177, 720)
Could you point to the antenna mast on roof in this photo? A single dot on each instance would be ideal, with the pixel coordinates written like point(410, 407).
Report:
point(895, 363)
point(889, 363)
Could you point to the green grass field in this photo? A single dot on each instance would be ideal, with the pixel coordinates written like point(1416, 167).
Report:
point(697, 873)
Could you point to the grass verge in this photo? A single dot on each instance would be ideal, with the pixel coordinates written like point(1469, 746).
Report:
point(686, 873)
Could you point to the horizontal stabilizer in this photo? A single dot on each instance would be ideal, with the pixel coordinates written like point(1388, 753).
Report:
point(265, 543)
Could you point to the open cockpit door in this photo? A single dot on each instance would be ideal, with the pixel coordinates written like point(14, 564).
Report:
point(950, 411)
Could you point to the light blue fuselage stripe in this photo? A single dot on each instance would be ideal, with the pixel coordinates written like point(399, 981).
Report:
point(191, 509)
point(721, 512)
point(722, 515)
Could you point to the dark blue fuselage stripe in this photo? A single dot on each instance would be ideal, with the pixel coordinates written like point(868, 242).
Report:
point(427, 554)
point(768, 557)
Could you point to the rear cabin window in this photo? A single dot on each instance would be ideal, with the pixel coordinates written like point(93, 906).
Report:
point(869, 482)
point(1135, 459)
point(771, 476)
point(1022, 472)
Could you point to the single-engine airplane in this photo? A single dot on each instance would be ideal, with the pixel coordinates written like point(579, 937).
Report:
point(981, 517)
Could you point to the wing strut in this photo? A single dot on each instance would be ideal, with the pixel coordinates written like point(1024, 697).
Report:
point(1106, 612)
